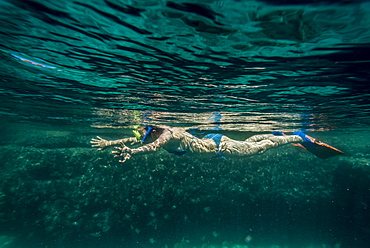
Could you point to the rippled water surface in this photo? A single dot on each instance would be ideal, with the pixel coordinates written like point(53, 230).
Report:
point(72, 70)
point(185, 62)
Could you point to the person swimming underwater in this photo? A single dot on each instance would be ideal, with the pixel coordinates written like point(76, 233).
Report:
point(179, 142)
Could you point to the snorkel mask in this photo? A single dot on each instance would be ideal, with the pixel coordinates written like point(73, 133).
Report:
point(149, 129)
point(139, 136)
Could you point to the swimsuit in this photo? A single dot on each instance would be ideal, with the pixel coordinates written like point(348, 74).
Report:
point(217, 139)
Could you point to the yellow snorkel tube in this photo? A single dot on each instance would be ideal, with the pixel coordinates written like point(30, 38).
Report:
point(137, 134)
point(140, 137)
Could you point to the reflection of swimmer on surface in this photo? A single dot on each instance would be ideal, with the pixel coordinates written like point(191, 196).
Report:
point(178, 141)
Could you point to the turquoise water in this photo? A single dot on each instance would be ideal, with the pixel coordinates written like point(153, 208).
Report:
point(74, 70)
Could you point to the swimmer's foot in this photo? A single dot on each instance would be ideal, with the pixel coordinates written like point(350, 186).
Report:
point(317, 147)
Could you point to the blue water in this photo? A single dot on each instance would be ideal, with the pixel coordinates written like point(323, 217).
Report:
point(72, 70)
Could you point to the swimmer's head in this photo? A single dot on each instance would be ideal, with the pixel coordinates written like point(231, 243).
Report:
point(145, 133)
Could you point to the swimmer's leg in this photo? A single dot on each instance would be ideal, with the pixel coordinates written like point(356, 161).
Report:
point(256, 138)
point(271, 141)
point(317, 147)
point(258, 144)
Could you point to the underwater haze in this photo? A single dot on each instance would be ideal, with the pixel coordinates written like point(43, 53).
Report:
point(74, 70)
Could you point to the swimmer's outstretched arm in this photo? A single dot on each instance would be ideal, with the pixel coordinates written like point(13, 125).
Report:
point(103, 143)
point(127, 152)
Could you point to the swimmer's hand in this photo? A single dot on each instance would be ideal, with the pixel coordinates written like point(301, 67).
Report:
point(99, 142)
point(123, 151)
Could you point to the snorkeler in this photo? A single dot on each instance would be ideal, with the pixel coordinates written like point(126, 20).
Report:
point(178, 141)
